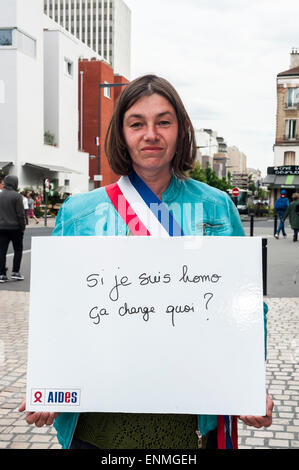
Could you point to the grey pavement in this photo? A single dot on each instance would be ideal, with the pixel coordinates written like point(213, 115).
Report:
point(282, 373)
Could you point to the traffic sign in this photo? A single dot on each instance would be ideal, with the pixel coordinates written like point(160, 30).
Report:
point(236, 192)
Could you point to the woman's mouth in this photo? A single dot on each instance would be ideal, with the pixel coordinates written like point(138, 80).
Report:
point(152, 149)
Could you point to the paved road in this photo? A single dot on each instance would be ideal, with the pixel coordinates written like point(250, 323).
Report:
point(281, 367)
point(283, 259)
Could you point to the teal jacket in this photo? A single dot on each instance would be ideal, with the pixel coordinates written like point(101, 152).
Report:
point(200, 209)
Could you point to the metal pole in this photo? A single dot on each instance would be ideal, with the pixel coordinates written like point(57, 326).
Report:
point(265, 267)
point(81, 110)
point(46, 207)
point(99, 135)
point(275, 223)
point(251, 225)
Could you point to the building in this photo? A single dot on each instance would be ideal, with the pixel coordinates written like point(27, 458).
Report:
point(237, 160)
point(39, 96)
point(211, 150)
point(237, 166)
point(92, 72)
point(102, 25)
point(285, 171)
point(220, 165)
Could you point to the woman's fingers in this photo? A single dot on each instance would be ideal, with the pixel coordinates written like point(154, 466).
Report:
point(260, 421)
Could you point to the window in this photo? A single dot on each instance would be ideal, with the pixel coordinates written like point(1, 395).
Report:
point(292, 97)
point(107, 91)
point(289, 158)
point(16, 38)
point(5, 37)
point(291, 129)
point(68, 67)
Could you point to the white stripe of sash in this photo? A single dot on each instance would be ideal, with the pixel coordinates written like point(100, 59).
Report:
point(144, 213)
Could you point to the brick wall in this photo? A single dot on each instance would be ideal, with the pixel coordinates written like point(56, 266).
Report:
point(95, 72)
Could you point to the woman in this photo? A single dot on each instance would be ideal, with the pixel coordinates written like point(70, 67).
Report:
point(293, 213)
point(26, 205)
point(150, 140)
point(31, 203)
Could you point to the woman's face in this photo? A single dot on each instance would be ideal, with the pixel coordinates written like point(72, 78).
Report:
point(150, 130)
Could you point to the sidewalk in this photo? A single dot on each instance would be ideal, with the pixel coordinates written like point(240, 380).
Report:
point(50, 223)
point(282, 379)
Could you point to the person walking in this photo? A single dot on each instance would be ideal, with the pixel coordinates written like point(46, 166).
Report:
point(293, 213)
point(31, 202)
point(12, 227)
point(1, 184)
point(280, 207)
point(26, 205)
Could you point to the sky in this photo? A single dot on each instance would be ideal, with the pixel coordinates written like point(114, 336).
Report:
point(223, 57)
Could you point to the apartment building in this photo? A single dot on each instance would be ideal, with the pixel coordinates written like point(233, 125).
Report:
point(211, 150)
point(285, 171)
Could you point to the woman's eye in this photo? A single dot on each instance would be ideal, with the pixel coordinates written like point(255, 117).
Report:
point(136, 125)
point(164, 123)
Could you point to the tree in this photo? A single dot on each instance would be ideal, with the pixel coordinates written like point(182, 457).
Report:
point(210, 177)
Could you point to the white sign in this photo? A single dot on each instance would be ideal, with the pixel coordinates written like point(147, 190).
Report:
point(149, 325)
point(98, 178)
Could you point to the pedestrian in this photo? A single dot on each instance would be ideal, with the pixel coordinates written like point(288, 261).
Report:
point(31, 203)
point(26, 205)
point(150, 141)
point(12, 227)
point(293, 213)
point(1, 183)
point(281, 205)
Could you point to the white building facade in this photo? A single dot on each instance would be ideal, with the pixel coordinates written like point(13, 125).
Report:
point(39, 97)
point(102, 25)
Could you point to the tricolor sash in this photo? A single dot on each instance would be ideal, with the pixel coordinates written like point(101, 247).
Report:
point(145, 215)
point(141, 209)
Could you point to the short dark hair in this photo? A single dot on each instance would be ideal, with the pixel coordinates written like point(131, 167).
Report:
point(115, 144)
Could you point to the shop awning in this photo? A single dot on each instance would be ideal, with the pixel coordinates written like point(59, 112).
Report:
point(4, 165)
point(269, 179)
point(282, 181)
point(54, 168)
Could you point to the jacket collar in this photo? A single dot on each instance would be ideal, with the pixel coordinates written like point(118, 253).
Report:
point(173, 189)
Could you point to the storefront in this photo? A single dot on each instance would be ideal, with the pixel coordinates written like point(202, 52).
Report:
point(281, 177)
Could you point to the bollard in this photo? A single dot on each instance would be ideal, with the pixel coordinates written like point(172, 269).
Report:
point(275, 223)
point(264, 261)
point(251, 225)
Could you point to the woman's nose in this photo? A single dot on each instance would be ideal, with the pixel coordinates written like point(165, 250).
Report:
point(151, 133)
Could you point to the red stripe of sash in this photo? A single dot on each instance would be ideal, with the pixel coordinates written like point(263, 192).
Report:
point(125, 210)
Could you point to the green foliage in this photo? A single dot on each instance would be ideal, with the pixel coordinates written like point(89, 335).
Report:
point(54, 198)
point(49, 139)
point(209, 177)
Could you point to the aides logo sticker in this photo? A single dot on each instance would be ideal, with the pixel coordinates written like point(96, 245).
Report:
point(42, 396)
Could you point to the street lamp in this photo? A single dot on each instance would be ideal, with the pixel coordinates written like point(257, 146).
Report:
point(98, 138)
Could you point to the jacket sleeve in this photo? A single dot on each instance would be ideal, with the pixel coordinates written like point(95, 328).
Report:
point(60, 220)
point(285, 215)
point(20, 212)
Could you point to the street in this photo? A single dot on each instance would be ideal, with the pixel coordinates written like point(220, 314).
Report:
point(282, 259)
point(282, 374)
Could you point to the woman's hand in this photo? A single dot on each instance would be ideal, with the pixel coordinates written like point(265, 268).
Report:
point(260, 421)
point(38, 418)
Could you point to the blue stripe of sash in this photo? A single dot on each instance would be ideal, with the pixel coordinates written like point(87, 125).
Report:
point(228, 440)
point(158, 208)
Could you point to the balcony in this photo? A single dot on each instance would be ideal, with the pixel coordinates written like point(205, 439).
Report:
point(286, 140)
point(290, 107)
